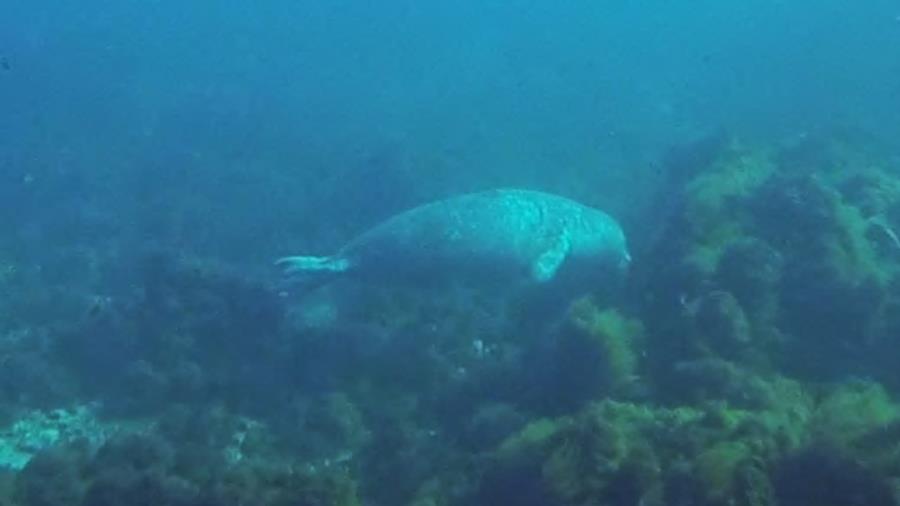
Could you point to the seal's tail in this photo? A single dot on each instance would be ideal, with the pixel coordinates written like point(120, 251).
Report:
point(310, 272)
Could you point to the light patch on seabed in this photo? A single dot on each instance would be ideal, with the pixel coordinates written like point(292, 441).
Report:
point(41, 429)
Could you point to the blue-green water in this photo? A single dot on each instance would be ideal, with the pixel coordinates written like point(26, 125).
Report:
point(157, 157)
point(242, 104)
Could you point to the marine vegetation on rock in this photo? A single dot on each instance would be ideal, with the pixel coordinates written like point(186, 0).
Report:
point(777, 259)
point(752, 356)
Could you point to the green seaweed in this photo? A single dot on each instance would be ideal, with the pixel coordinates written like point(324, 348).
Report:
point(713, 219)
point(850, 412)
point(616, 336)
point(584, 460)
point(717, 469)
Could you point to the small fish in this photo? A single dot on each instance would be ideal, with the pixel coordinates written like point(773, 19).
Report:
point(4, 63)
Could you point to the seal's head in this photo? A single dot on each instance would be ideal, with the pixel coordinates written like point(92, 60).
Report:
point(600, 242)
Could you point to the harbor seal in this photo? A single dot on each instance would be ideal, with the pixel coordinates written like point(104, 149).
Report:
point(508, 235)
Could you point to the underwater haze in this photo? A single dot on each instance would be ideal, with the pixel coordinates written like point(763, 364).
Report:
point(274, 103)
point(157, 157)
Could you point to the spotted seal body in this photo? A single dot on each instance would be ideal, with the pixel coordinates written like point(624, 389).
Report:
point(510, 235)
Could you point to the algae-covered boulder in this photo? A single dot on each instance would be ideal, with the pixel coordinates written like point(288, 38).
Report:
point(751, 269)
point(853, 414)
point(715, 455)
point(610, 342)
point(824, 478)
point(802, 239)
point(623, 453)
point(721, 324)
point(596, 352)
point(51, 478)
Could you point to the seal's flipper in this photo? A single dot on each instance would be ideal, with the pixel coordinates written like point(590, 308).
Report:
point(310, 271)
point(544, 268)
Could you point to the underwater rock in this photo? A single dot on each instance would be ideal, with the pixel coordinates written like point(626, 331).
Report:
point(595, 353)
point(52, 478)
point(333, 424)
point(680, 164)
point(751, 270)
point(515, 474)
point(618, 337)
point(851, 413)
point(795, 214)
point(518, 483)
point(137, 452)
point(711, 378)
point(802, 239)
point(716, 468)
point(30, 379)
point(39, 430)
point(715, 213)
point(113, 487)
point(491, 424)
point(721, 325)
point(147, 468)
point(608, 452)
point(826, 478)
point(874, 192)
point(191, 333)
point(829, 321)
point(425, 455)
point(585, 460)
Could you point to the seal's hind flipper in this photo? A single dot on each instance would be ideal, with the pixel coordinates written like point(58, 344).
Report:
point(298, 264)
point(311, 271)
point(544, 268)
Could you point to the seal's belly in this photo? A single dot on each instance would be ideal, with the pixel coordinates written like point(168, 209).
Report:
point(457, 243)
point(436, 254)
